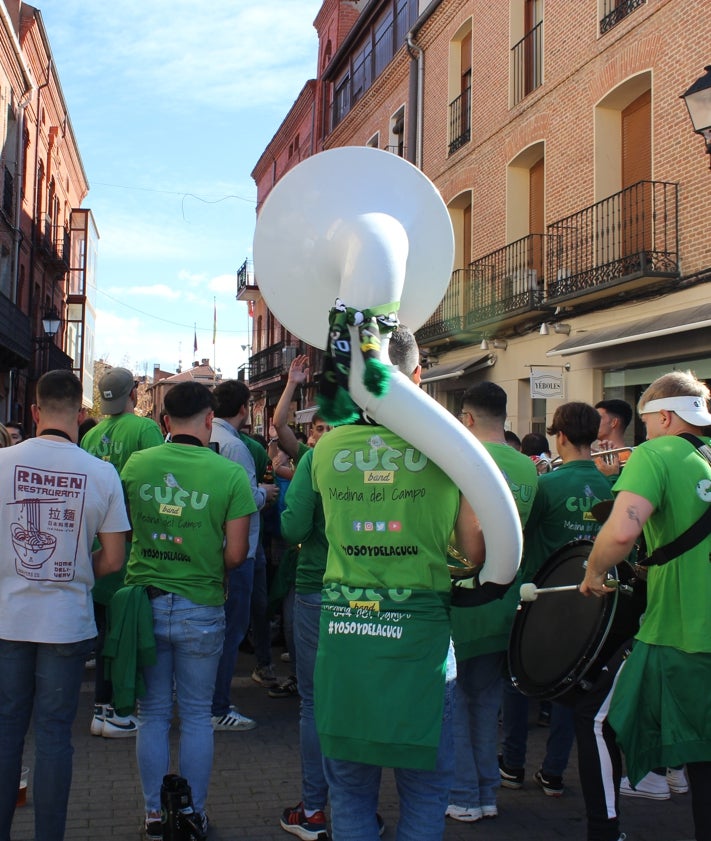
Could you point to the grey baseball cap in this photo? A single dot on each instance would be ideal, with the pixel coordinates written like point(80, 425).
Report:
point(114, 388)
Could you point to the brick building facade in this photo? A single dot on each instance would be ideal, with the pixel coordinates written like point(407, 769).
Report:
point(575, 184)
point(47, 243)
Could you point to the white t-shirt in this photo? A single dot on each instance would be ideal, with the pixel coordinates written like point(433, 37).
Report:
point(54, 499)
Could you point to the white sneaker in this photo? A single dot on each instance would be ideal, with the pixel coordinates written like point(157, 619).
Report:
point(676, 778)
point(117, 726)
point(461, 813)
point(232, 720)
point(490, 811)
point(653, 787)
point(97, 722)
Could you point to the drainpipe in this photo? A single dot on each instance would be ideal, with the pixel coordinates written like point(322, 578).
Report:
point(22, 104)
point(415, 121)
point(35, 221)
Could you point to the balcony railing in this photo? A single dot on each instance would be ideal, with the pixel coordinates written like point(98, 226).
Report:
point(247, 289)
point(616, 10)
point(623, 240)
point(54, 242)
point(460, 120)
point(271, 362)
point(447, 320)
point(506, 283)
point(527, 63)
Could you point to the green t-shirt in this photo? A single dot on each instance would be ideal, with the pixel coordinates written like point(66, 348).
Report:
point(485, 629)
point(676, 480)
point(114, 439)
point(179, 497)
point(389, 510)
point(302, 522)
point(562, 511)
point(384, 620)
point(259, 454)
point(118, 436)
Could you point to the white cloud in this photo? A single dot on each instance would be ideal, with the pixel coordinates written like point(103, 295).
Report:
point(226, 54)
point(157, 290)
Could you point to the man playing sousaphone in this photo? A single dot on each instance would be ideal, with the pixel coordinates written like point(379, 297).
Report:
point(381, 245)
point(381, 697)
point(661, 707)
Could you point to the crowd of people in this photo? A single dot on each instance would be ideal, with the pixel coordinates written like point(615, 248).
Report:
point(155, 551)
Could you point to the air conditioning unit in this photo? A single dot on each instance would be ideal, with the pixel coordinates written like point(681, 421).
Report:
point(523, 280)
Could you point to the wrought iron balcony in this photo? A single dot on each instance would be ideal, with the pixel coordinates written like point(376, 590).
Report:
point(447, 321)
point(508, 284)
point(53, 242)
point(460, 120)
point(616, 246)
point(271, 362)
point(247, 289)
point(616, 10)
point(527, 64)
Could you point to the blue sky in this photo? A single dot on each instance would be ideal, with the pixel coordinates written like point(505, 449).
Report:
point(172, 103)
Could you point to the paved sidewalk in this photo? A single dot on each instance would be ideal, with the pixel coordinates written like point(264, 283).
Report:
point(256, 775)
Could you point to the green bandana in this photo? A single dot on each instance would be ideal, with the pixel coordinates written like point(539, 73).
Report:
point(335, 403)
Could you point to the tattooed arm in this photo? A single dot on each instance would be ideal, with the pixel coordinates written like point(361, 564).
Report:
point(615, 540)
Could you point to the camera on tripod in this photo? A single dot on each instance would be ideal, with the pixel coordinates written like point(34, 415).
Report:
point(178, 817)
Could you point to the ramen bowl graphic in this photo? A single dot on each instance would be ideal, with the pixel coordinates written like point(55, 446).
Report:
point(33, 547)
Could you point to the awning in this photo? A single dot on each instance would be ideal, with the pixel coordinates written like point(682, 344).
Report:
point(305, 415)
point(454, 370)
point(681, 321)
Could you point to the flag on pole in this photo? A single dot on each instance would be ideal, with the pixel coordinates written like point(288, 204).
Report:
point(214, 321)
point(195, 340)
point(250, 309)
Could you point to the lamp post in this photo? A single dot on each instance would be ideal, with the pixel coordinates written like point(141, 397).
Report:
point(698, 102)
point(51, 322)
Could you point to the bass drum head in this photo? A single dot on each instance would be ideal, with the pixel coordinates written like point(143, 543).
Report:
point(554, 639)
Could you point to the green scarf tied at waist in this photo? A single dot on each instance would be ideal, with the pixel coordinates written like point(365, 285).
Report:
point(130, 645)
point(335, 403)
point(380, 676)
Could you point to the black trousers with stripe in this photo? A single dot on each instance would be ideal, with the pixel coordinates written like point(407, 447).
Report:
point(599, 757)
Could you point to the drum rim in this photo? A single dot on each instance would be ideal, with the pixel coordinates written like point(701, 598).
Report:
point(574, 676)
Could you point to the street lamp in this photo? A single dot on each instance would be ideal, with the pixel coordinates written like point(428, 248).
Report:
point(698, 102)
point(51, 322)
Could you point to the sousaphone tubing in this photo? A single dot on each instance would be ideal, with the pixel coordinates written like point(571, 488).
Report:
point(368, 228)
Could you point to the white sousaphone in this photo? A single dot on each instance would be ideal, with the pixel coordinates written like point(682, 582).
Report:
point(369, 228)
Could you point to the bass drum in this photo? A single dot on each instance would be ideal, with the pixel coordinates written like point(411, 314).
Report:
point(560, 642)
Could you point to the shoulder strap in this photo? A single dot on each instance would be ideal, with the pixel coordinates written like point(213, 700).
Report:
point(695, 533)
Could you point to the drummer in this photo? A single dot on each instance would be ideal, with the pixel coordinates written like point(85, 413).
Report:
point(660, 708)
point(562, 511)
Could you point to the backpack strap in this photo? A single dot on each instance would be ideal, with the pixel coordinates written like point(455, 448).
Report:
point(695, 533)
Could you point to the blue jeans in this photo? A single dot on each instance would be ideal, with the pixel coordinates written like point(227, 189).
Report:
point(46, 678)
point(261, 626)
point(307, 614)
point(424, 795)
point(287, 615)
point(237, 611)
point(476, 728)
point(188, 645)
point(515, 730)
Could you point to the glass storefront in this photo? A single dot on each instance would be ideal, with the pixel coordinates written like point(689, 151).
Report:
point(630, 383)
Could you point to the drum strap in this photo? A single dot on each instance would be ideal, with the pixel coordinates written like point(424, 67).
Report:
point(695, 533)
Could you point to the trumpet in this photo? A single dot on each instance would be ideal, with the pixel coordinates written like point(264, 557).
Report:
point(602, 453)
point(458, 565)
